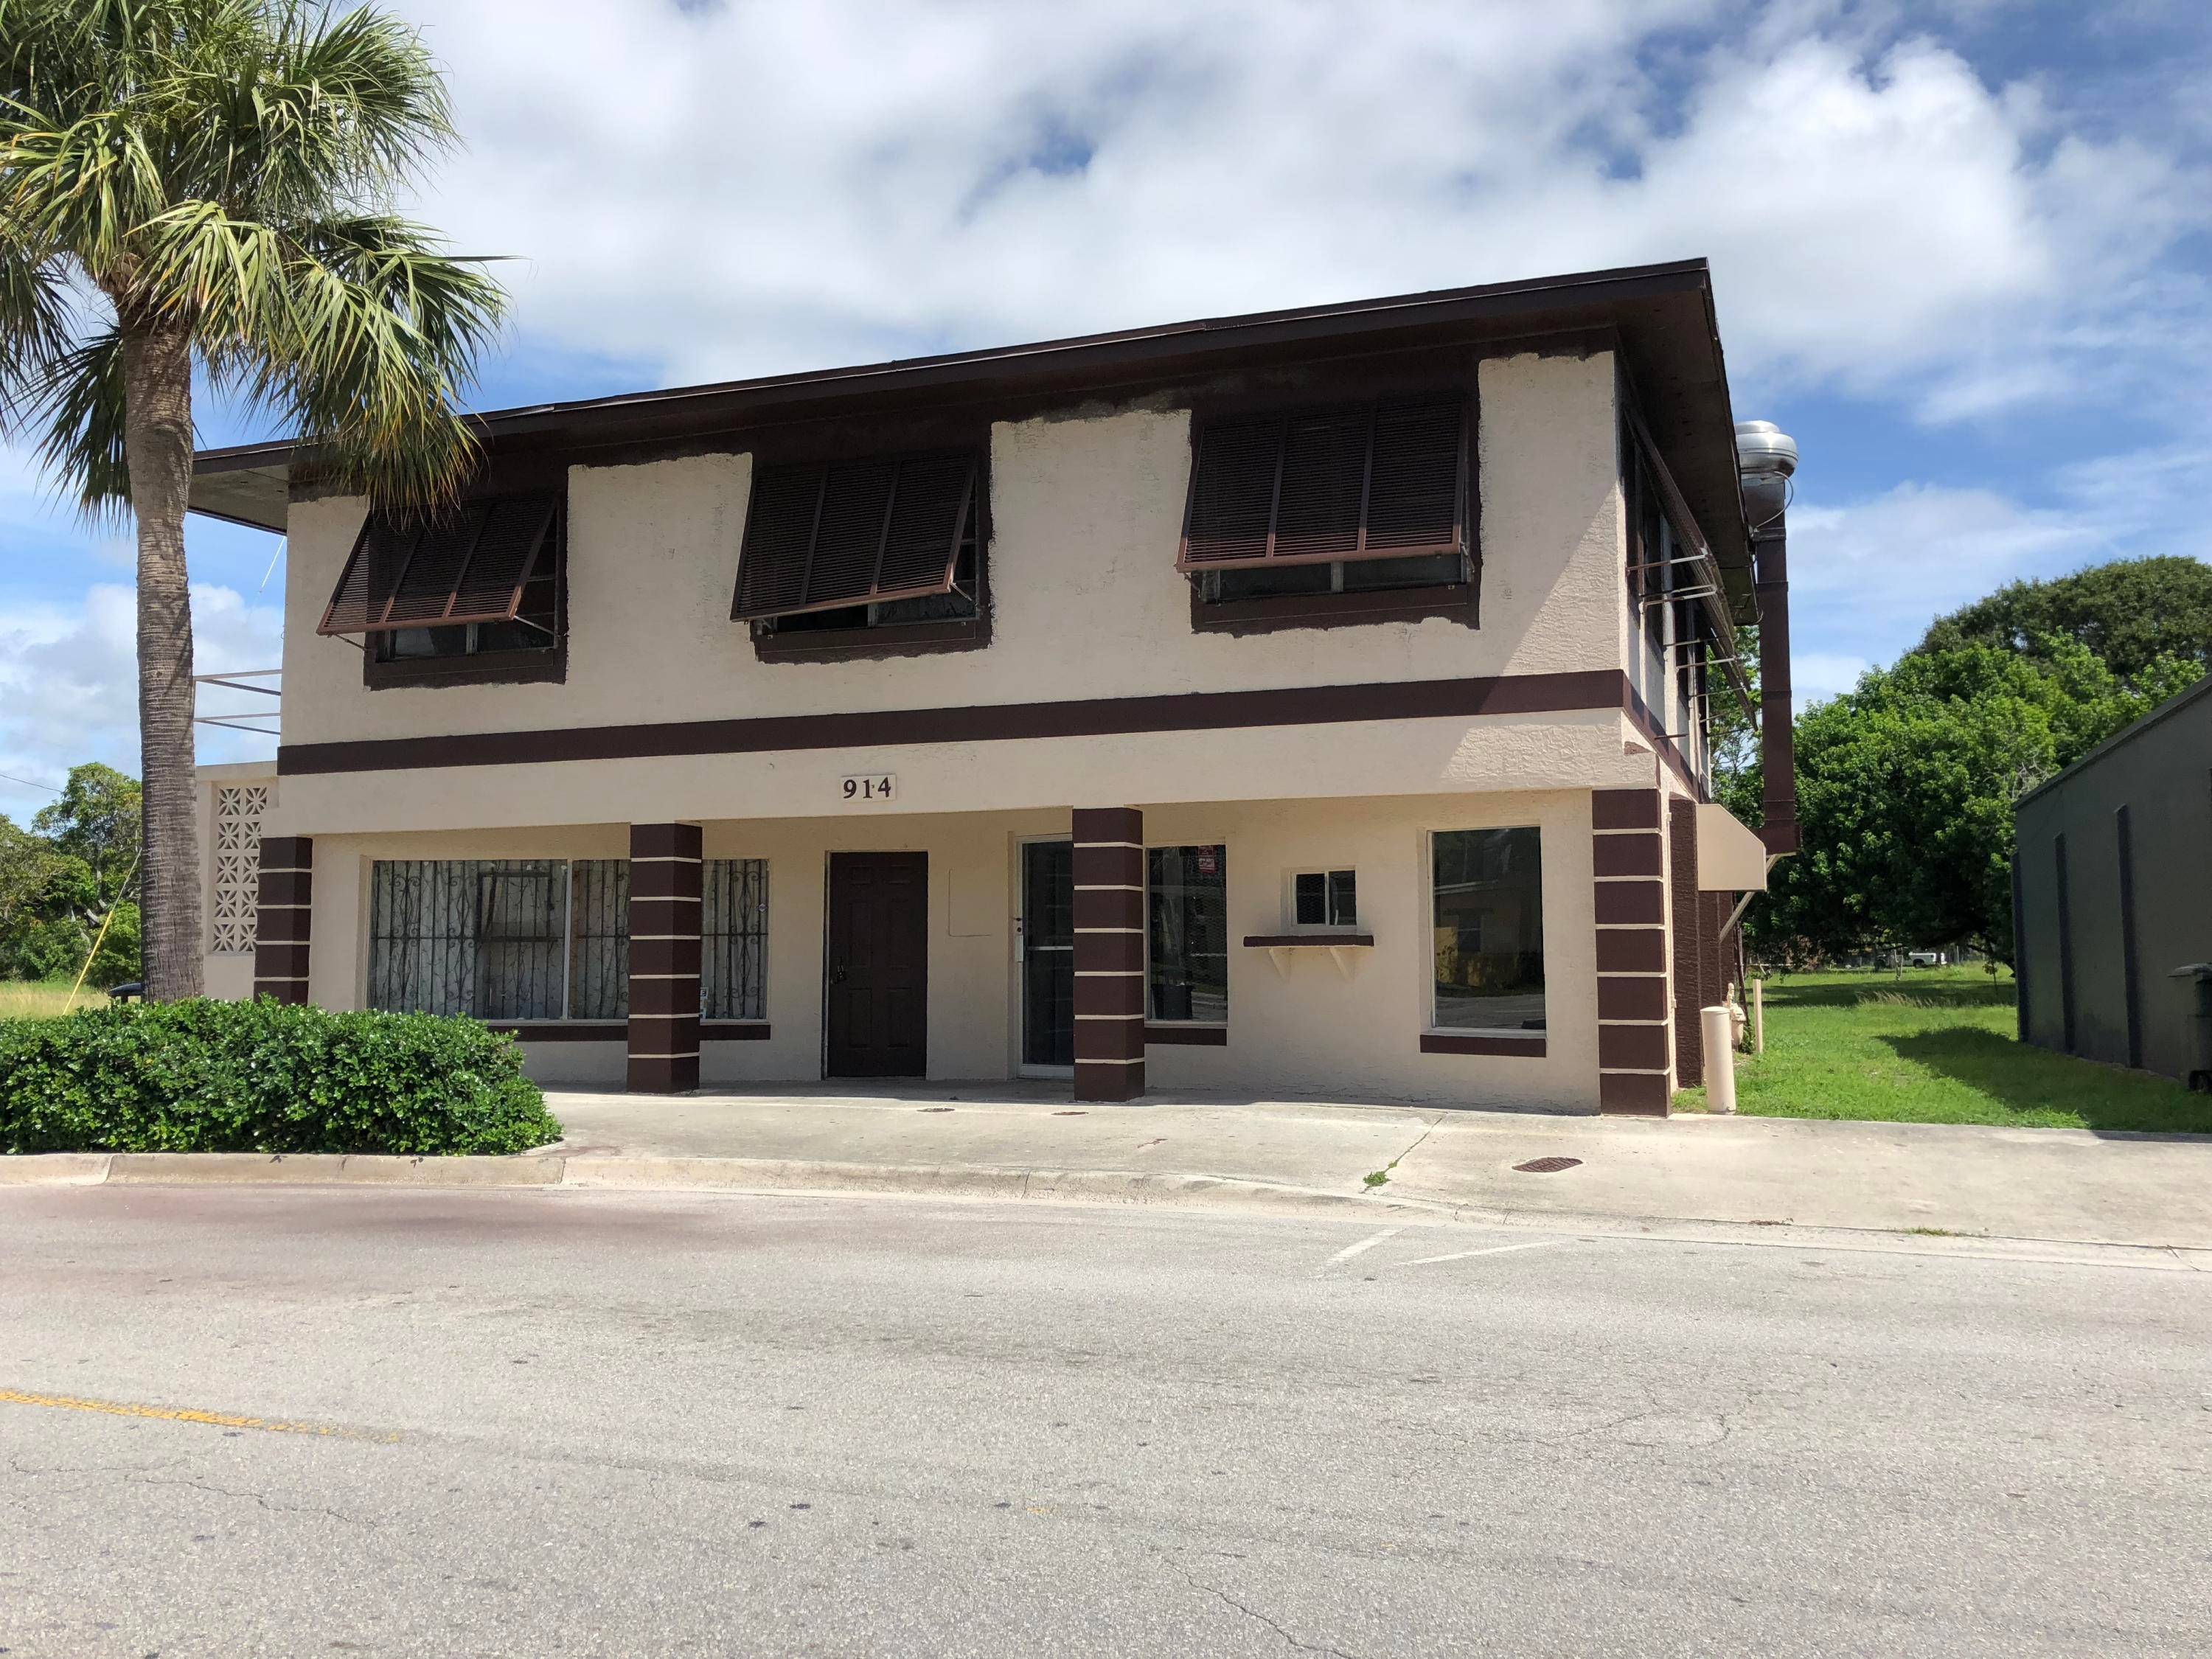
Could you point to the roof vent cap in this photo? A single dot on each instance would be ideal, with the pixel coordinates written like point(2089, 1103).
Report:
point(1766, 456)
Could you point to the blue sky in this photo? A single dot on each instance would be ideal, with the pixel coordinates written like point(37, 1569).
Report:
point(1960, 249)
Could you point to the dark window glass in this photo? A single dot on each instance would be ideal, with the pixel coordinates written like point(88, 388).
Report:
point(1344, 576)
point(1488, 930)
point(1048, 953)
point(1187, 905)
point(1326, 898)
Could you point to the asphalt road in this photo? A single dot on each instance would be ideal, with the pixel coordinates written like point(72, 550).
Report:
point(558, 1422)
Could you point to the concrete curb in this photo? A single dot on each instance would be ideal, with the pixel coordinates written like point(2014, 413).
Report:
point(554, 1171)
point(610, 1173)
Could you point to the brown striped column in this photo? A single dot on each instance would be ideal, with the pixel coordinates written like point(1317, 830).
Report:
point(1629, 864)
point(1689, 953)
point(664, 871)
point(283, 908)
point(1109, 953)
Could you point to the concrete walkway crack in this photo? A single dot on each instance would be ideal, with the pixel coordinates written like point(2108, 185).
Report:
point(1382, 1175)
point(1255, 1613)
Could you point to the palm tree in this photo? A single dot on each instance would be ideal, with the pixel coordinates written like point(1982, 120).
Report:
point(211, 183)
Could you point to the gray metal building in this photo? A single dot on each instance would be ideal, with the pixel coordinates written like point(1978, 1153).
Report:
point(2112, 892)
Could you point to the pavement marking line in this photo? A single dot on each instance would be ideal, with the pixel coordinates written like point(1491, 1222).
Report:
point(1364, 1244)
point(1495, 1250)
point(185, 1414)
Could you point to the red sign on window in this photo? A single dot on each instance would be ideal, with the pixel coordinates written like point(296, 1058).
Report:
point(1209, 860)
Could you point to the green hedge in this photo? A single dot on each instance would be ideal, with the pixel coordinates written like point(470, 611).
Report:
point(260, 1076)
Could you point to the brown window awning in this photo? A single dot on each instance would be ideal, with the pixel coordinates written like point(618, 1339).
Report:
point(823, 535)
point(469, 565)
point(1380, 481)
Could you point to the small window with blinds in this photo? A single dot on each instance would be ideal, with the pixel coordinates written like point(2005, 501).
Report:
point(478, 588)
point(1354, 512)
point(852, 555)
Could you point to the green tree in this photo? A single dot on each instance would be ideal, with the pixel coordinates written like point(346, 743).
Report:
point(97, 819)
point(2129, 614)
point(1906, 787)
point(211, 181)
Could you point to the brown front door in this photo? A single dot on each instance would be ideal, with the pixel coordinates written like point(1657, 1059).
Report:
point(878, 996)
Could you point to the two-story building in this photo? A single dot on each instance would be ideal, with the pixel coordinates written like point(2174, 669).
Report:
point(1314, 701)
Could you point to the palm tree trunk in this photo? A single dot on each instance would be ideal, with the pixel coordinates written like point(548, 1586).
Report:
point(157, 363)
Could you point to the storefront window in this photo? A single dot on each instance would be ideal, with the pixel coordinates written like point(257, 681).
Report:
point(1488, 931)
point(1187, 965)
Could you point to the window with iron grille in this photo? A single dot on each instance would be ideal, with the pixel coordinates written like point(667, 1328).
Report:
point(733, 940)
point(876, 543)
point(501, 939)
point(1354, 499)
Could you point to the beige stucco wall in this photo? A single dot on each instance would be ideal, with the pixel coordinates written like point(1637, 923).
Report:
point(1312, 1031)
point(1086, 603)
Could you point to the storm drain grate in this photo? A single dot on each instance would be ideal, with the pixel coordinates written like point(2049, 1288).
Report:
point(1547, 1165)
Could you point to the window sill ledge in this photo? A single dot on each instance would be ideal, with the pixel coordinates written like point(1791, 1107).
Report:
point(1301, 941)
point(1455, 603)
point(1173, 1035)
point(1532, 1047)
point(859, 644)
point(548, 667)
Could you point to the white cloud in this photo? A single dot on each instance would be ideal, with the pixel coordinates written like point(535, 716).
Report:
point(764, 187)
point(68, 682)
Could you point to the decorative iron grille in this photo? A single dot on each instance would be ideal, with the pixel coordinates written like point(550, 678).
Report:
point(469, 936)
point(598, 939)
point(734, 942)
point(238, 811)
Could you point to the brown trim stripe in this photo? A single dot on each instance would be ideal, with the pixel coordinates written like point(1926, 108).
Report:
point(1317, 705)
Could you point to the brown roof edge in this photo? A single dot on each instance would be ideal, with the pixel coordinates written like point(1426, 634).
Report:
point(1437, 305)
point(1124, 350)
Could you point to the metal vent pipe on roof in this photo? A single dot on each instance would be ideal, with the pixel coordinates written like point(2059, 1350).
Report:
point(1767, 459)
point(1766, 456)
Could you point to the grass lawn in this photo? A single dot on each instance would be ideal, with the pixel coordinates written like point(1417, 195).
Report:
point(1935, 1046)
point(21, 999)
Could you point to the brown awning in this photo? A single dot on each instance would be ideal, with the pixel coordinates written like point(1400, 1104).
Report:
point(1378, 481)
point(471, 565)
point(822, 535)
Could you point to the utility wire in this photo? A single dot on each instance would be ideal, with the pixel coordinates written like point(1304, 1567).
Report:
point(11, 778)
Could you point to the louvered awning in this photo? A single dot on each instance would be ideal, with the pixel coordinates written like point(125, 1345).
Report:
point(821, 536)
point(1380, 481)
point(469, 565)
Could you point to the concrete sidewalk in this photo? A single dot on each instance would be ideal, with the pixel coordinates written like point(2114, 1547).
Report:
point(2058, 1184)
point(1028, 1141)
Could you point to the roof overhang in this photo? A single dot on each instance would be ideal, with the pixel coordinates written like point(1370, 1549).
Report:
point(1661, 316)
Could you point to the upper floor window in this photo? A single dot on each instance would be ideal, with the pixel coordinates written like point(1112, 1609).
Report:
point(853, 558)
point(1356, 513)
point(473, 592)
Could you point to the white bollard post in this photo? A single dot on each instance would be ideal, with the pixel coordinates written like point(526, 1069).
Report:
point(1720, 1061)
point(1758, 1017)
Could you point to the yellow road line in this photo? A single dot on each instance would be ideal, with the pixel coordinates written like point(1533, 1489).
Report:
point(185, 1414)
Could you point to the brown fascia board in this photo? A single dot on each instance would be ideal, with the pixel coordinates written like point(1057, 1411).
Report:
point(1663, 314)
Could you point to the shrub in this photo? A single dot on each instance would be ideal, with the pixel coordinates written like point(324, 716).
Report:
point(263, 1077)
